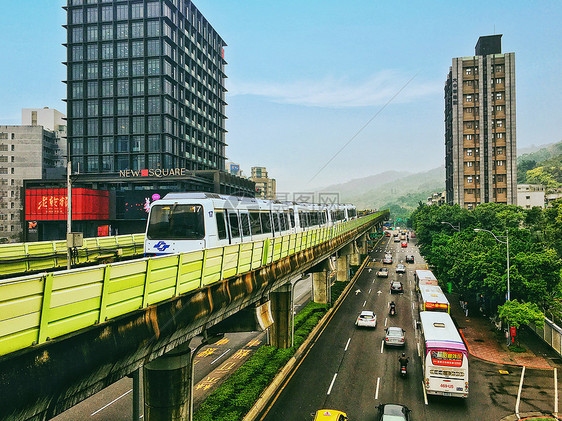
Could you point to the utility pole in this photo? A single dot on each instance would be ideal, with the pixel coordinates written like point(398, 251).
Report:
point(68, 216)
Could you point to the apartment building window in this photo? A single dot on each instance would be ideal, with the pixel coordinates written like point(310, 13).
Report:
point(469, 152)
point(499, 107)
point(500, 163)
point(468, 125)
point(469, 206)
point(469, 179)
point(499, 80)
point(500, 151)
point(499, 95)
point(469, 110)
point(468, 71)
point(468, 137)
point(469, 163)
point(469, 98)
point(499, 135)
point(500, 123)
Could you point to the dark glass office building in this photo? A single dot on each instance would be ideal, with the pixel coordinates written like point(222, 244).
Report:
point(146, 102)
point(145, 87)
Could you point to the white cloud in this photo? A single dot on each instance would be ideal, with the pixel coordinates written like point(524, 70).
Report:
point(340, 93)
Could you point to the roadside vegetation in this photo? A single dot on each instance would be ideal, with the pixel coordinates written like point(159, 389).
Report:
point(475, 264)
point(236, 396)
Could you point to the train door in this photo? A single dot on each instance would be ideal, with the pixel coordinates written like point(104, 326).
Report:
point(234, 224)
point(245, 227)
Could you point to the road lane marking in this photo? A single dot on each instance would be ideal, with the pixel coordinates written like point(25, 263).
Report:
point(385, 321)
point(382, 346)
point(556, 392)
point(364, 303)
point(332, 384)
point(369, 290)
point(346, 345)
point(413, 306)
point(424, 393)
point(377, 391)
point(220, 356)
point(113, 401)
point(419, 352)
point(519, 392)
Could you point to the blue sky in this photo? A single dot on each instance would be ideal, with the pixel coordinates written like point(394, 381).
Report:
point(305, 76)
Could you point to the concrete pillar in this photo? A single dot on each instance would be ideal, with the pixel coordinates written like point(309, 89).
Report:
point(167, 386)
point(282, 309)
point(321, 291)
point(343, 268)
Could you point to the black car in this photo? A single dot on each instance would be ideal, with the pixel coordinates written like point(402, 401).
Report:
point(392, 411)
point(410, 258)
point(396, 286)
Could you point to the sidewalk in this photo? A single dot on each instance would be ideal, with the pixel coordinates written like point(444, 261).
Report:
point(486, 342)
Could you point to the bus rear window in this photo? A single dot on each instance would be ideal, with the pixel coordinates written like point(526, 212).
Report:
point(176, 222)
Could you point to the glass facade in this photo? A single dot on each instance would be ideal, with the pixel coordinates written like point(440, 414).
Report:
point(145, 87)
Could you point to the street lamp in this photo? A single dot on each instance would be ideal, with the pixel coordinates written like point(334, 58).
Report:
point(506, 242)
point(205, 341)
point(455, 227)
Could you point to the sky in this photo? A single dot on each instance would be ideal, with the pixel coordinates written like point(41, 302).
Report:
point(322, 92)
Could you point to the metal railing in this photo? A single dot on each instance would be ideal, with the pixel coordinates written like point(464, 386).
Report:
point(551, 333)
point(40, 307)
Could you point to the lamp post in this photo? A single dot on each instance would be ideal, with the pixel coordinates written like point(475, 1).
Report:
point(455, 227)
point(205, 341)
point(506, 242)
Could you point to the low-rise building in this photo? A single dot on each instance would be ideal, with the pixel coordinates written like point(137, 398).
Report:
point(530, 195)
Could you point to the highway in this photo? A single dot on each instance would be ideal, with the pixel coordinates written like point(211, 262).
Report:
point(349, 369)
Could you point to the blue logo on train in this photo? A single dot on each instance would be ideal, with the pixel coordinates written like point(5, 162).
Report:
point(161, 245)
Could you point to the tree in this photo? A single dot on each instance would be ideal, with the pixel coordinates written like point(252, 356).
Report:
point(516, 313)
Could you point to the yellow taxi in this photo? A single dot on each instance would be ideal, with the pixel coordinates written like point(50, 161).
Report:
point(330, 415)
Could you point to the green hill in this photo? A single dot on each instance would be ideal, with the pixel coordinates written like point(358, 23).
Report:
point(531, 161)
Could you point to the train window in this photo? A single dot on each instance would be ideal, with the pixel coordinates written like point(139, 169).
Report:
point(276, 221)
point(292, 217)
point(233, 221)
point(265, 222)
point(176, 222)
point(255, 223)
point(245, 220)
point(283, 220)
point(221, 224)
point(303, 219)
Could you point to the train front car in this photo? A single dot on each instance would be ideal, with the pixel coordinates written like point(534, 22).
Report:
point(179, 223)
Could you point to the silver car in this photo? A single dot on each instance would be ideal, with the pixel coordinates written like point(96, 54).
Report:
point(394, 336)
point(400, 268)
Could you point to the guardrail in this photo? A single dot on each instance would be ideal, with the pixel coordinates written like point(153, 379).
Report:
point(21, 258)
point(551, 333)
point(37, 308)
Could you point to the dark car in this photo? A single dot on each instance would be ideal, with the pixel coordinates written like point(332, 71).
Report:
point(396, 286)
point(409, 258)
point(393, 412)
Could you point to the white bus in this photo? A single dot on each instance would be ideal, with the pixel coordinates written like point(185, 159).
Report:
point(433, 299)
point(444, 356)
point(424, 277)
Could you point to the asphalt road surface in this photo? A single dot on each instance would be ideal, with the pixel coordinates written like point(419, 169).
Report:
point(350, 369)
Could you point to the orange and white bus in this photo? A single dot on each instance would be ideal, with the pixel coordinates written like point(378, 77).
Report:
point(433, 299)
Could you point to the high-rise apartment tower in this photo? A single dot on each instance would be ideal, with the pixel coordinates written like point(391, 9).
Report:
point(480, 139)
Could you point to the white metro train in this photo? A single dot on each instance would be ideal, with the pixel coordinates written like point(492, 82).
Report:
point(182, 222)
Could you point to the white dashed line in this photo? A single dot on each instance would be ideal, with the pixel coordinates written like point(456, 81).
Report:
point(113, 401)
point(377, 391)
point(382, 346)
point(220, 356)
point(364, 303)
point(424, 393)
point(346, 345)
point(332, 384)
point(369, 290)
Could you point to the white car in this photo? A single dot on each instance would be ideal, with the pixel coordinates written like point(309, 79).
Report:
point(366, 319)
point(394, 336)
point(400, 268)
point(382, 273)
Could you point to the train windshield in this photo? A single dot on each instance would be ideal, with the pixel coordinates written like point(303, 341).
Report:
point(176, 222)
